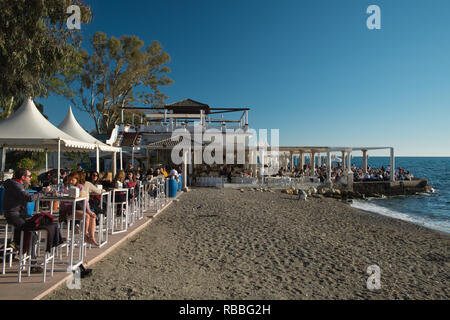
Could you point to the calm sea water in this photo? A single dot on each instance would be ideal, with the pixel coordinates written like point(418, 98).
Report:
point(431, 210)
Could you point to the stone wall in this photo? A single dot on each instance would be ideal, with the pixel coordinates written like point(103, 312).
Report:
point(392, 188)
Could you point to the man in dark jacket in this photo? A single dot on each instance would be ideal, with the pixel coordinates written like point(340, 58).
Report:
point(16, 198)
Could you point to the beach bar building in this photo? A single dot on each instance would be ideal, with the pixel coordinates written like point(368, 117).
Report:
point(154, 132)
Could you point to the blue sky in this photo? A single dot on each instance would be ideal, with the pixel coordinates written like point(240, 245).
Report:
point(309, 68)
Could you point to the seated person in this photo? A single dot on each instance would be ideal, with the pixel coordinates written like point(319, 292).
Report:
point(16, 199)
point(65, 210)
point(91, 189)
point(130, 183)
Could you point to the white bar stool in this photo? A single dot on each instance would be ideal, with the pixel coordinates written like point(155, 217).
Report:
point(6, 252)
point(26, 260)
point(124, 211)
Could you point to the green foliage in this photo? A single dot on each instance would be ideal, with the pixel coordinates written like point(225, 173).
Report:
point(34, 178)
point(13, 158)
point(38, 54)
point(39, 159)
point(26, 163)
point(16, 103)
point(78, 157)
point(120, 73)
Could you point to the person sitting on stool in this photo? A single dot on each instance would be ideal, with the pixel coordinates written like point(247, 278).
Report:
point(15, 201)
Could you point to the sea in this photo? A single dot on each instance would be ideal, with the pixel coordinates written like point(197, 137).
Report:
point(428, 209)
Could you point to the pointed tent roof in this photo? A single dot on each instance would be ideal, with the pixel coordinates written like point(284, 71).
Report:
point(27, 129)
point(71, 126)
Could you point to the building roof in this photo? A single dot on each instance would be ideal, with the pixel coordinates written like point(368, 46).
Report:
point(188, 106)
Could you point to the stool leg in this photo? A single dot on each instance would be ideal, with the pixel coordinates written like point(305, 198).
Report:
point(45, 267)
point(20, 256)
point(53, 261)
point(39, 245)
point(30, 247)
point(5, 242)
point(45, 257)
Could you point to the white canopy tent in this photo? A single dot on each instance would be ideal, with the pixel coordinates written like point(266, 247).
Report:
point(28, 130)
point(71, 126)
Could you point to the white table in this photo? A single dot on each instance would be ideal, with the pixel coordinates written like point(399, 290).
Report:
point(81, 253)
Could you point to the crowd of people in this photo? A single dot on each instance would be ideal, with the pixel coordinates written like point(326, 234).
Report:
point(16, 197)
point(337, 172)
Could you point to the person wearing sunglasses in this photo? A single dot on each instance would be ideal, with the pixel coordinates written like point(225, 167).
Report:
point(16, 199)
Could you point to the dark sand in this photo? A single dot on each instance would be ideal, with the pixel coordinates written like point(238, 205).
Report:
point(229, 244)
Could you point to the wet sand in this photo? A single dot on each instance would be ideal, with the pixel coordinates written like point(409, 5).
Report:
point(232, 244)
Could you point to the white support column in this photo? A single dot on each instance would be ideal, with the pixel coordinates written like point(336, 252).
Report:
point(292, 161)
point(261, 159)
point(349, 161)
point(328, 167)
point(3, 162)
point(46, 160)
point(254, 163)
point(343, 161)
point(364, 161)
point(121, 160)
point(191, 162)
point(319, 160)
point(59, 159)
point(313, 164)
point(185, 163)
point(392, 165)
point(97, 159)
point(114, 164)
point(301, 160)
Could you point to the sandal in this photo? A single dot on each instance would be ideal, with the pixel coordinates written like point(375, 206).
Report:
point(91, 240)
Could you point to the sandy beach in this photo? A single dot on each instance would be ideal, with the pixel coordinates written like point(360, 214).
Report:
point(233, 244)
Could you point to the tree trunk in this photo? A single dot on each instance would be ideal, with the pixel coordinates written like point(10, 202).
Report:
point(9, 108)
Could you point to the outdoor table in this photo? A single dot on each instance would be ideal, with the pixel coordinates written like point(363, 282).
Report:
point(72, 264)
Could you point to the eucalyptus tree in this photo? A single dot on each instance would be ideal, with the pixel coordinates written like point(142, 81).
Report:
point(120, 72)
point(39, 55)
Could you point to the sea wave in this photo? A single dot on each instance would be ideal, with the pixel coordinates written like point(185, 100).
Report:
point(442, 225)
